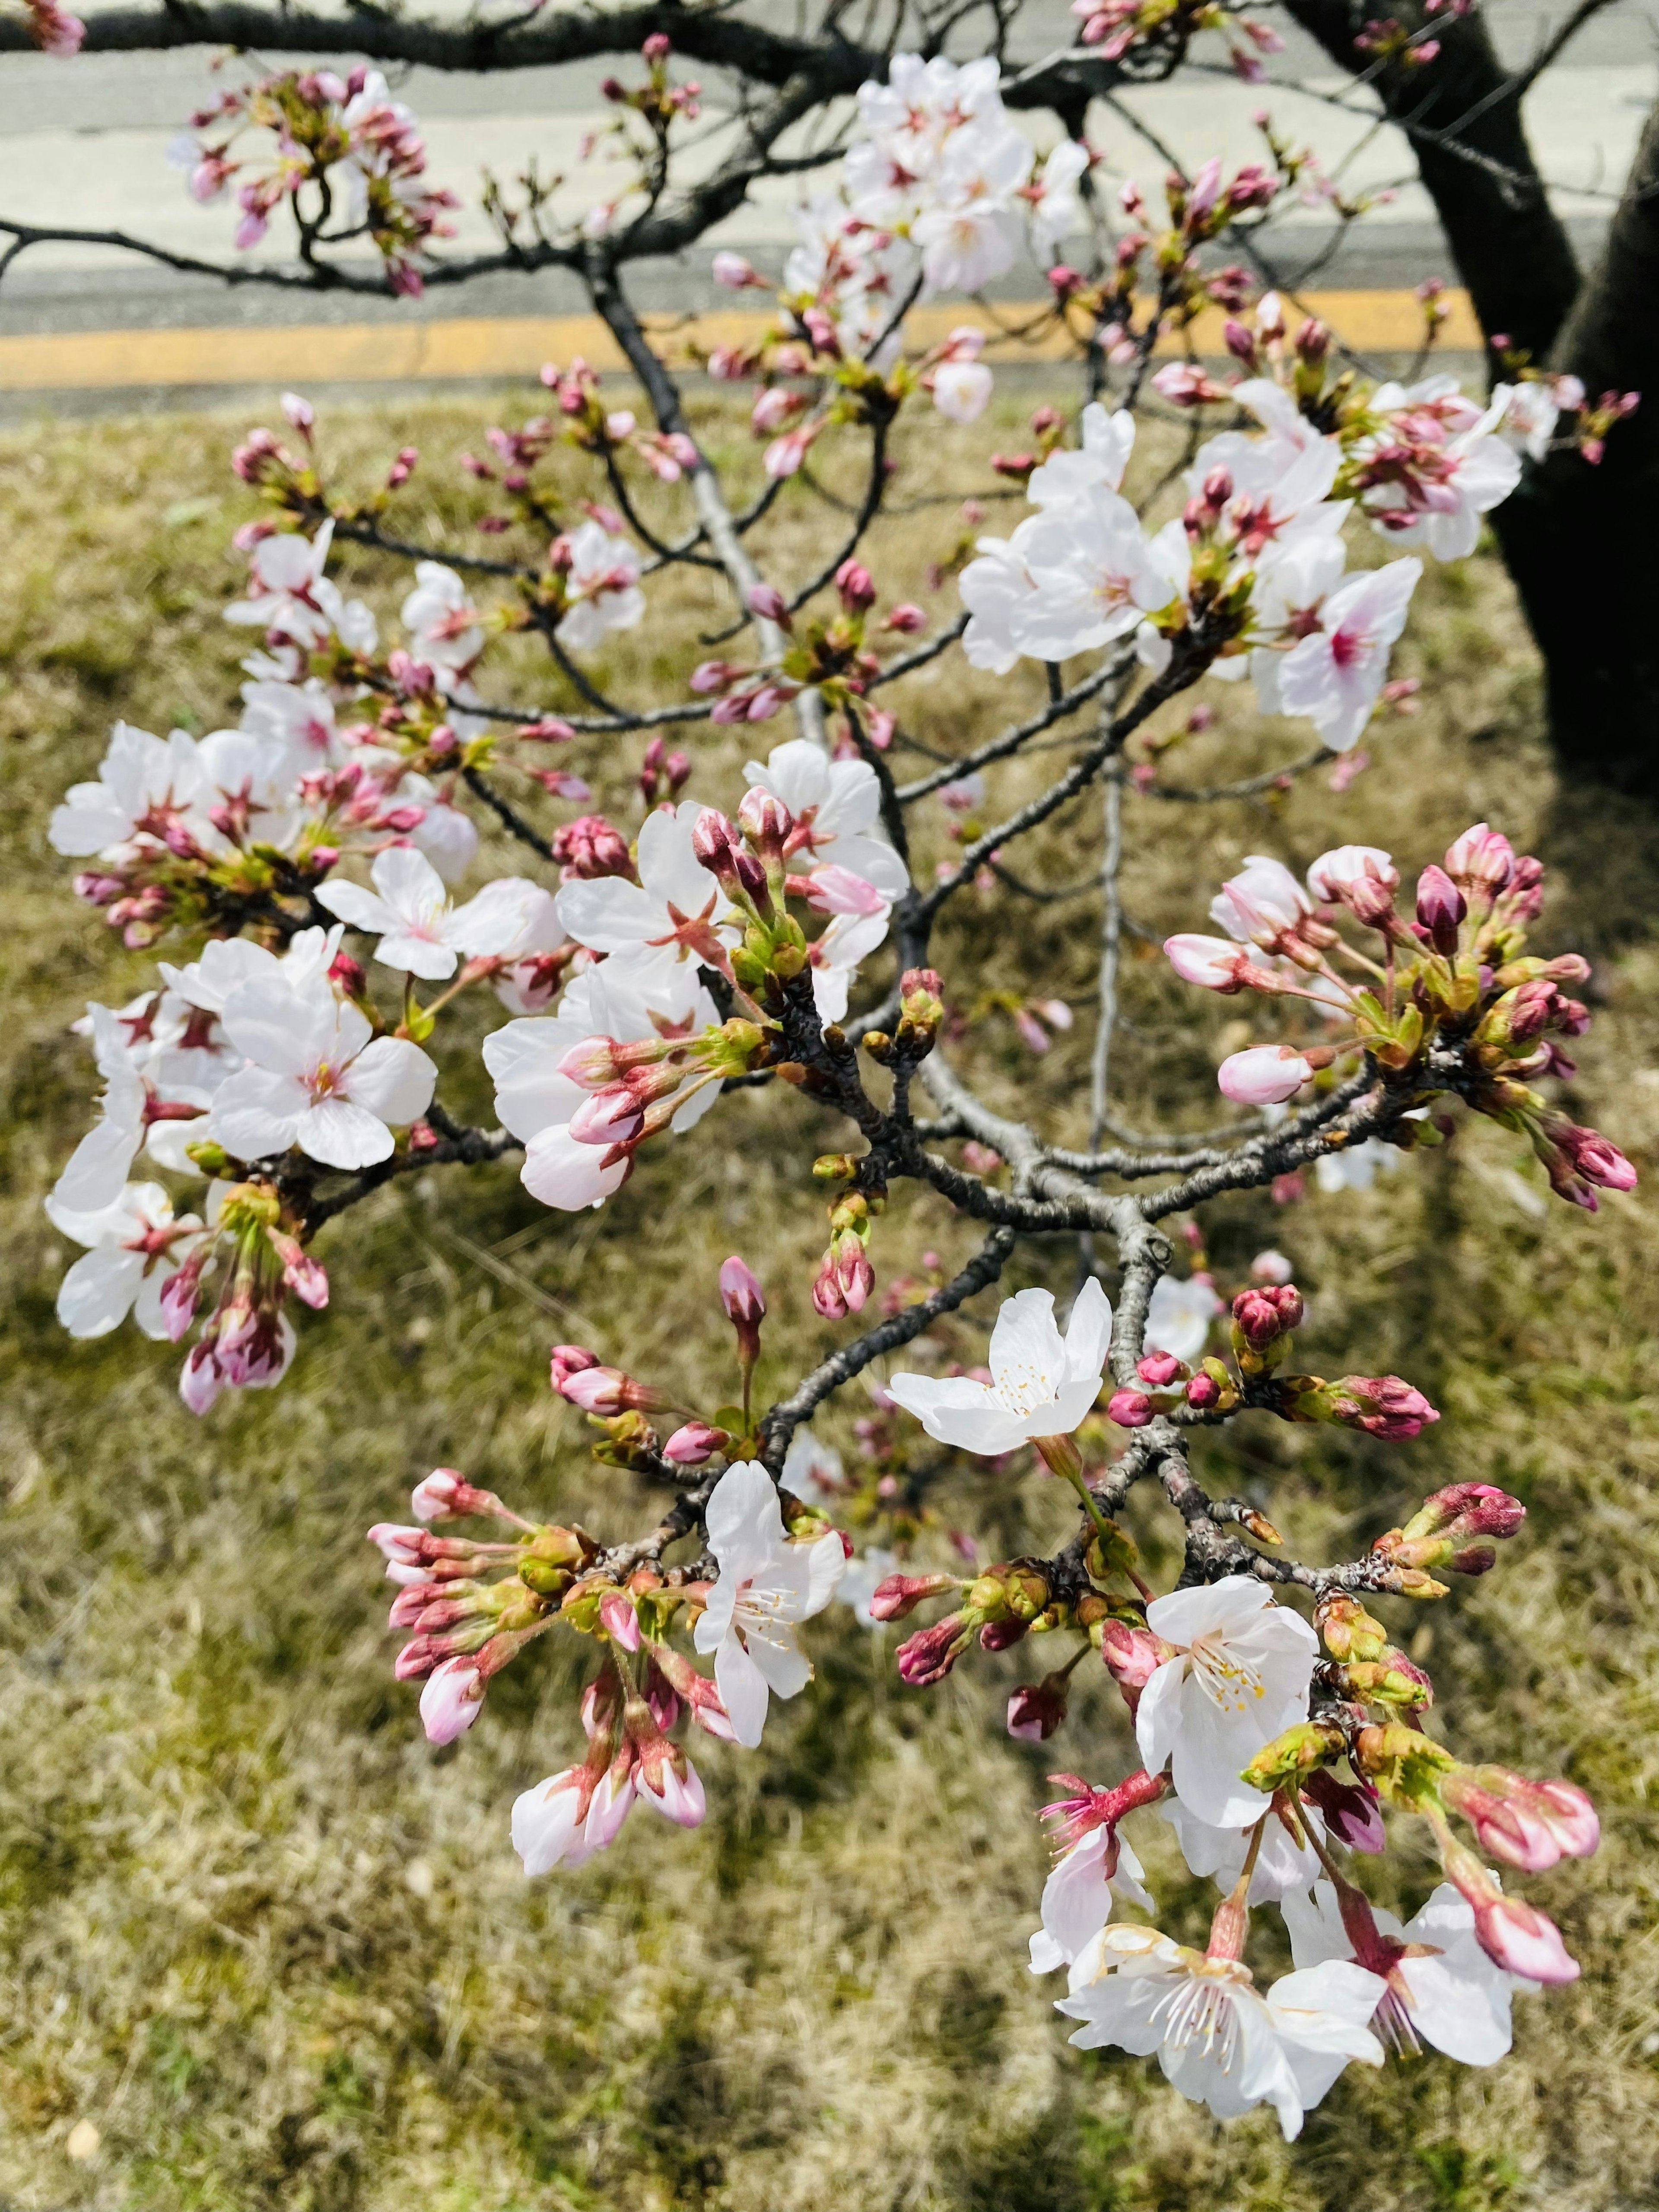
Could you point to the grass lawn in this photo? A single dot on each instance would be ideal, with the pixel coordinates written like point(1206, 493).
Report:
point(276, 1950)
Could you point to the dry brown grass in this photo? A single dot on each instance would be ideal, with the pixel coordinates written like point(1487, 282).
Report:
point(277, 1951)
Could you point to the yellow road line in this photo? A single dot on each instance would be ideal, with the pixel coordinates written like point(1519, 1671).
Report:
point(517, 345)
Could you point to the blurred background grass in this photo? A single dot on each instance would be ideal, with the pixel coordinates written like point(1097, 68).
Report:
point(261, 1945)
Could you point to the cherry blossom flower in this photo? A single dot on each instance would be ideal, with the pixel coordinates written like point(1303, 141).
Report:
point(441, 620)
point(1355, 1167)
point(1238, 1678)
point(1078, 1898)
point(995, 588)
point(1178, 1318)
point(835, 810)
point(1262, 904)
point(1440, 1987)
point(1042, 1384)
point(767, 1584)
point(317, 1076)
point(144, 784)
point(419, 932)
point(1217, 2039)
point(293, 600)
point(1069, 473)
point(962, 390)
point(666, 919)
point(602, 587)
point(226, 963)
point(1334, 675)
point(134, 1249)
point(1056, 204)
point(537, 1100)
point(1093, 574)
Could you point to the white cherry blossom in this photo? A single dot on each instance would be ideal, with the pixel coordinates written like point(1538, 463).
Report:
point(1218, 2039)
point(419, 932)
point(644, 920)
point(442, 622)
point(1094, 576)
point(834, 955)
point(1239, 1677)
point(97, 1170)
point(292, 599)
point(1451, 1995)
point(226, 963)
point(1069, 472)
point(1078, 1898)
point(134, 1248)
point(317, 1076)
point(142, 780)
point(995, 588)
point(1042, 1384)
point(837, 809)
point(1335, 675)
point(546, 1830)
point(767, 1584)
point(602, 586)
point(536, 1101)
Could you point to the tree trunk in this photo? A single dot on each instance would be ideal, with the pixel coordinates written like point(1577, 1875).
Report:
point(1579, 542)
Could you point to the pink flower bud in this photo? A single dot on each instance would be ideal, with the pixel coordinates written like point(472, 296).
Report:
point(608, 1391)
point(1381, 1405)
point(672, 1787)
point(1159, 1369)
point(1130, 1409)
point(1263, 1316)
point(1202, 1392)
point(1271, 1267)
point(1263, 1075)
point(695, 1445)
point(928, 1656)
point(907, 619)
point(1481, 862)
point(589, 847)
point(1352, 1811)
point(445, 1495)
point(610, 1117)
point(451, 1700)
point(1440, 907)
point(767, 601)
point(896, 1595)
point(741, 1293)
point(620, 1619)
point(736, 274)
point(1035, 1711)
point(1131, 1656)
point(1524, 1940)
point(1595, 1159)
point(1530, 1825)
point(855, 586)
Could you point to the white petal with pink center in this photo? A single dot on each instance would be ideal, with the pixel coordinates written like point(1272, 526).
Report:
point(768, 1583)
point(1042, 1384)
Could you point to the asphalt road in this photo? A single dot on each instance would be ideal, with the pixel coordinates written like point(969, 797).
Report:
point(83, 143)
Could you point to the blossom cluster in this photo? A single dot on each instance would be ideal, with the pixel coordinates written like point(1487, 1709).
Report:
point(347, 155)
point(1457, 971)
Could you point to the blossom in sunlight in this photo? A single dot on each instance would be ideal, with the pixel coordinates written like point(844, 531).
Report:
point(1218, 2039)
point(1334, 675)
point(292, 601)
point(768, 1583)
point(419, 932)
point(601, 585)
point(442, 622)
point(835, 808)
point(1099, 1868)
point(994, 587)
point(145, 784)
point(1071, 471)
point(673, 914)
point(131, 1115)
point(1286, 1861)
point(1042, 1384)
point(1094, 575)
point(1263, 1075)
point(316, 1077)
point(537, 1100)
point(1238, 1677)
point(1438, 1985)
point(563, 1821)
point(134, 1249)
